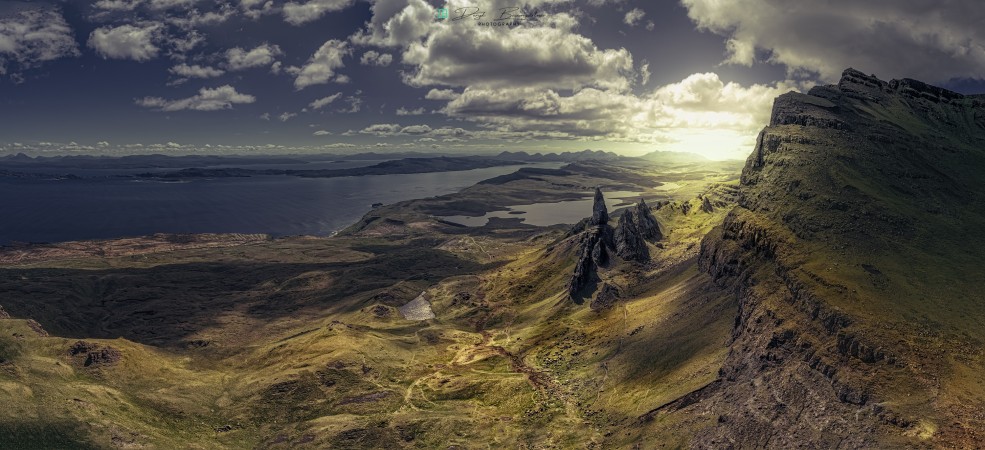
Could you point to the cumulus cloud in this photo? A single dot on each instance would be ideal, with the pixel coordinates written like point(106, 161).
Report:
point(416, 129)
point(222, 97)
point(167, 4)
point(284, 117)
point(320, 68)
point(300, 13)
point(374, 58)
point(401, 111)
point(932, 41)
point(325, 101)
point(441, 94)
point(254, 9)
point(633, 17)
point(396, 23)
point(118, 5)
point(263, 55)
point(381, 129)
point(31, 38)
point(195, 71)
point(542, 56)
point(322, 133)
point(126, 41)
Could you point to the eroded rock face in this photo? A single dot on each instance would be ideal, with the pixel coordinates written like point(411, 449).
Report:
point(607, 297)
point(648, 226)
point(90, 354)
point(628, 240)
point(597, 238)
point(600, 214)
point(630, 244)
point(592, 255)
point(3, 314)
point(801, 370)
point(103, 357)
point(636, 226)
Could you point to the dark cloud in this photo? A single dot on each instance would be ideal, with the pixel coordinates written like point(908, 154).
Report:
point(930, 40)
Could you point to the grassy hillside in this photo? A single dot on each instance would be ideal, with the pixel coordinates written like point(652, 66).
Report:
point(298, 342)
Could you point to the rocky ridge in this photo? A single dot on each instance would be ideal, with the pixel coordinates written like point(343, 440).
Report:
point(827, 177)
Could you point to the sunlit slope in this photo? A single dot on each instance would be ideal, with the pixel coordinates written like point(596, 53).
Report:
point(298, 342)
point(856, 255)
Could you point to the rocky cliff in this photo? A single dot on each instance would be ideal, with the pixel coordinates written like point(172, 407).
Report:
point(853, 254)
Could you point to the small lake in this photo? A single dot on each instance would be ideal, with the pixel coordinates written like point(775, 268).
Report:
point(546, 214)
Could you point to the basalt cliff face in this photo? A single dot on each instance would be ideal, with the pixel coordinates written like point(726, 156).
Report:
point(855, 257)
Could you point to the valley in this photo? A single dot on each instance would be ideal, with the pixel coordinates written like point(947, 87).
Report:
point(827, 293)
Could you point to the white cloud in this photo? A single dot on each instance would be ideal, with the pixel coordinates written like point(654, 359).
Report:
point(126, 41)
point(300, 13)
point(222, 97)
point(256, 8)
point(374, 58)
point(118, 5)
point(195, 71)
point(415, 129)
point(893, 38)
point(322, 133)
point(397, 23)
point(355, 103)
point(188, 41)
point(30, 38)
point(263, 55)
point(284, 117)
point(542, 56)
point(320, 68)
point(382, 129)
point(633, 17)
point(688, 115)
point(441, 94)
point(401, 111)
point(325, 101)
point(168, 4)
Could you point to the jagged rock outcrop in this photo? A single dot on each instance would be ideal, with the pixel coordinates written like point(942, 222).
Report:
point(90, 354)
point(628, 240)
point(3, 314)
point(706, 205)
point(593, 249)
point(593, 254)
point(811, 360)
point(608, 295)
point(630, 244)
point(637, 225)
point(600, 214)
point(647, 224)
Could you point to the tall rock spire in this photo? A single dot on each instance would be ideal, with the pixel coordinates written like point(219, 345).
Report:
point(600, 214)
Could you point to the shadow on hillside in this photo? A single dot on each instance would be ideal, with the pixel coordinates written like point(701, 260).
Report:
point(165, 305)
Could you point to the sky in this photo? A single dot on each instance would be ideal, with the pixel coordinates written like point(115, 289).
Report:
point(342, 76)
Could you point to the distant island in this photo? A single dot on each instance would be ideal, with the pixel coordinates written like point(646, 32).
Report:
point(399, 166)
